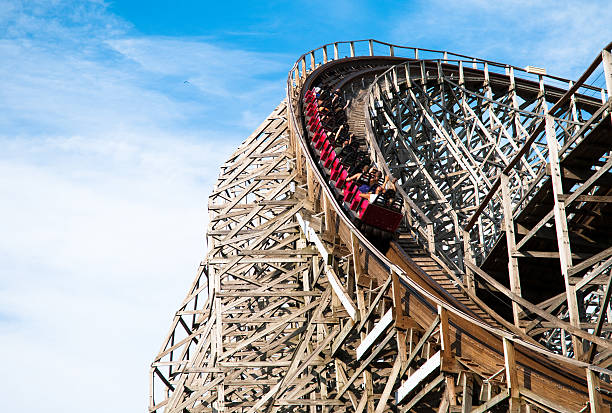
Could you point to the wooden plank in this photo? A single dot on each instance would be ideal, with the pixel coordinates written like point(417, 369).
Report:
point(344, 333)
point(447, 363)
point(466, 402)
point(492, 402)
point(308, 402)
point(421, 343)
point(595, 401)
point(544, 402)
point(417, 397)
point(590, 261)
point(288, 293)
point(513, 268)
point(590, 198)
point(373, 304)
point(376, 332)
point(341, 293)
point(365, 364)
point(382, 402)
point(535, 309)
point(511, 371)
point(418, 376)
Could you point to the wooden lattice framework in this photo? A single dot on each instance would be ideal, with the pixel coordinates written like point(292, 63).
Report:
point(295, 310)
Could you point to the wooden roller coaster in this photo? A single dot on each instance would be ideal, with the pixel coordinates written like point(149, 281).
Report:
point(493, 295)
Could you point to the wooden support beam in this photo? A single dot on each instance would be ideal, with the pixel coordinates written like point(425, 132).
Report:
point(420, 344)
point(513, 269)
point(377, 331)
point(587, 184)
point(511, 376)
point(563, 242)
point(382, 402)
point(448, 362)
point(342, 336)
point(468, 256)
point(373, 305)
point(595, 400)
point(606, 58)
point(604, 302)
point(466, 402)
point(536, 310)
point(341, 293)
point(424, 391)
point(401, 321)
point(590, 261)
point(418, 376)
point(365, 364)
point(494, 401)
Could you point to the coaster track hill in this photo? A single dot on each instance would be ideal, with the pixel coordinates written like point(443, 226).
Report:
point(409, 230)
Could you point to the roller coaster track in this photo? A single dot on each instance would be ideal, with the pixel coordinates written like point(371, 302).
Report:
point(493, 296)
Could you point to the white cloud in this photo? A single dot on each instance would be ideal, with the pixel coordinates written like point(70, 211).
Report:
point(107, 159)
point(100, 243)
point(562, 36)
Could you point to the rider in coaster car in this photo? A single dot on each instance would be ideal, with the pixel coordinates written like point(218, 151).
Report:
point(360, 176)
point(387, 190)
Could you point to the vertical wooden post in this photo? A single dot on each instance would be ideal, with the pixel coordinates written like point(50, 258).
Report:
point(371, 47)
point(573, 108)
point(395, 83)
point(218, 336)
point(335, 51)
point(446, 361)
point(513, 270)
point(313, 62)
point(391, 50)
point(325, 54)
point(221, 396)
point(565, 253)
point(356, 259)
point(382, 403)
point(352, 45)
point(304, 68)
point(408, 77)
point(511, 376)
point(606, 58)
point(469, 257)
point(328, 216)
point(595, 400)
point(431, 242)
point(310, 183)
point(423, 73)
point(466, 403)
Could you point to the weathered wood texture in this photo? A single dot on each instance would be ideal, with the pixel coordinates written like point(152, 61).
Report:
point(294, 310)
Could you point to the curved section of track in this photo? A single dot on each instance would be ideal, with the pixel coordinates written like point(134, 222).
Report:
point(540, 360)
point(294, 309)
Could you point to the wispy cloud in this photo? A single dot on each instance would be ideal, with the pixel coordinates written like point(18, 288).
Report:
point(107, 158)
point(562, 36)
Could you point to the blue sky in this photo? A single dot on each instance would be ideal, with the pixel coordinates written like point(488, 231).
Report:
point(115, 118)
